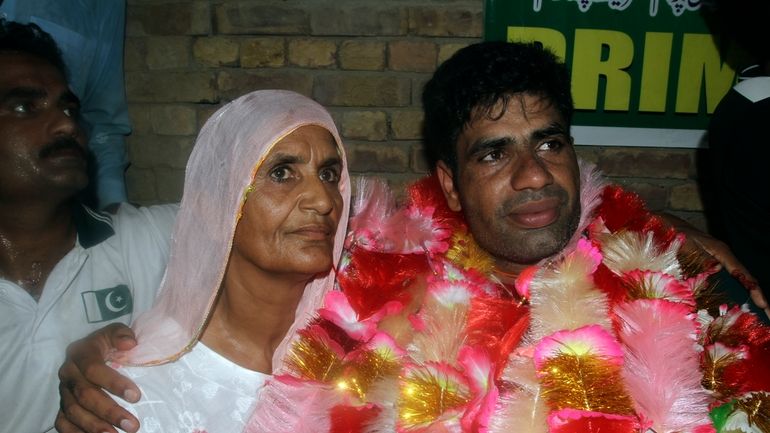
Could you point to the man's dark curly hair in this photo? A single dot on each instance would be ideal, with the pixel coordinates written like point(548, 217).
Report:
point(30, 39)
point(471, 83)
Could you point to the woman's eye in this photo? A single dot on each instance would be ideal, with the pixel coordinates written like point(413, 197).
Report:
point(330, 175)
point(280, 174)
point(70, 111)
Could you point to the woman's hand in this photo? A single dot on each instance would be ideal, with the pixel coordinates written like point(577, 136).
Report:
point(723, 254)
point(84, 378)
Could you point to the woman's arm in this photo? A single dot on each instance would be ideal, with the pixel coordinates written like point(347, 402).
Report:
point(723, 254)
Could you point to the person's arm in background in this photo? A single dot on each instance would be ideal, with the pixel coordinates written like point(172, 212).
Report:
point(724, 255)
point(104, 106)
point(86, 380)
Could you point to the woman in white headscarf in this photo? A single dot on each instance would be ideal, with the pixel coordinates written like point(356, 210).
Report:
point(261, 225)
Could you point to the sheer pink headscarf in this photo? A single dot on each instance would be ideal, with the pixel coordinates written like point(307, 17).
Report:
point(229, 150)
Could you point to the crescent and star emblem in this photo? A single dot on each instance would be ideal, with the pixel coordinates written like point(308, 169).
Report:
point(110, 303)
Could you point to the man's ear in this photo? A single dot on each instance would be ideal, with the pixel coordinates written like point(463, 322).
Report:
point(447, 182)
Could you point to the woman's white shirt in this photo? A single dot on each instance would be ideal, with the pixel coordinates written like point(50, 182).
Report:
point(201, 392)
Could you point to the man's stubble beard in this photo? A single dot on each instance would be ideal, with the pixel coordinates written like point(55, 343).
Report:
point(530, 246)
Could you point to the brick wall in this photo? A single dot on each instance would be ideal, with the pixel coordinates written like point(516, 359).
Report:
point(365, 60)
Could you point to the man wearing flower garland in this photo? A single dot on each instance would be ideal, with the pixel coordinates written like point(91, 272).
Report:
point(500, 135)
point(510, 165)
point(501, 138)
point(576, 290)
point(580, 311)
point(549, 302)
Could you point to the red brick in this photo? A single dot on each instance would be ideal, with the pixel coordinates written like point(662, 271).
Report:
point(362, 90)
point(353, 18)
point(377, 158)
point(159, 86)
point(412, 56)
point(141, 123)
point(312, 53)
point(419, 162)
point(362, 55)
point(170, 184)
point(140, 185)
point(174, 120)
point(216, 51)
point(418, 84)
point(181, 18)
point(406, 124)
point(447, 50)
point(134, 54)
point(686, 197)
point(647, 162)
point(149, 151)
point(255, 18)
point(261, 52)
point(364, 125)
point(464, 20)
point(235, 83)
point(204, 112)
point(168, 52)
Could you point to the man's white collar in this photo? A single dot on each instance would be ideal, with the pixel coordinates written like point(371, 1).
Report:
point(754, 89)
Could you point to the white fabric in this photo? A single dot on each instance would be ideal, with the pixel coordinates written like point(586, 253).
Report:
point(200, 392)
point(229, 149)
point(754, 89)
point(34, 335)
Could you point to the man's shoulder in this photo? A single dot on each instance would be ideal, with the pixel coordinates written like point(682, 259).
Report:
point(96, 227)
point(143, 227)
point(129, 214)
point(755, 89)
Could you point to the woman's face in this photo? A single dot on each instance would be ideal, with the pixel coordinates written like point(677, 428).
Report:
point(290, 218)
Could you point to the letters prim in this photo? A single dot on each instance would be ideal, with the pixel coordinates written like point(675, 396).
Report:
point(600, 54)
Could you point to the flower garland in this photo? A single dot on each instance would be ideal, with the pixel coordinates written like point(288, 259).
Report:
point(614, 335)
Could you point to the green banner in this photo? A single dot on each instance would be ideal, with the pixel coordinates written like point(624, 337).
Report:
point(644, 72)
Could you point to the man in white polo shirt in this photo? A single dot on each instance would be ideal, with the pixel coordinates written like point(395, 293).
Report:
point(65, 270)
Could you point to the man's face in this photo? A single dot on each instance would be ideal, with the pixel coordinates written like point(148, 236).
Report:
point(42, 149)
point(517, 182)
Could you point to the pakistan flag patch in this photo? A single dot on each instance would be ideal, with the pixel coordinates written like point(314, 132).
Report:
point(107, 304)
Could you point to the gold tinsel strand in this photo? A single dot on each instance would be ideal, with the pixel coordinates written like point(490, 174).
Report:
point(707, 297)
point(694, 261)
point(720, 331)
point(425, 397)
point(641, 289)
point(467, 254)
point(705, 294)
point(757, 407)
point(313, 359)
point(713, 372)
point(370, 367)
point(586, 383)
